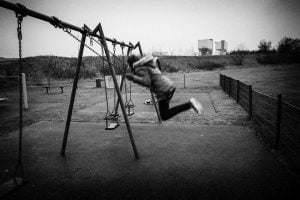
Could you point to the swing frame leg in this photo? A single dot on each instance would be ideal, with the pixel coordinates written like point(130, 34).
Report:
point(122, 82)
point(113, 73)
point(74, 88)
point(152, 96)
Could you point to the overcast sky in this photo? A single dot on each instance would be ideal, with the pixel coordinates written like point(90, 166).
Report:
point(173, 26)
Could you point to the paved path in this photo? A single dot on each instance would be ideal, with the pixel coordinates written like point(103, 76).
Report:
point(177, 162)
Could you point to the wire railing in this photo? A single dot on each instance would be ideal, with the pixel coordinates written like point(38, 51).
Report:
point(276, 121)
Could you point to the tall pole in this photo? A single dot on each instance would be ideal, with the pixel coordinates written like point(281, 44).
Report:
point(74, 88)
point(113, 73)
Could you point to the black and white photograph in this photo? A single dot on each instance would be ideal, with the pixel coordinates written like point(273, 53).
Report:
point(149, 99)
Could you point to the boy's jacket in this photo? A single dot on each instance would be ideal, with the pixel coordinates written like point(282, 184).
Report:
point(147, 73)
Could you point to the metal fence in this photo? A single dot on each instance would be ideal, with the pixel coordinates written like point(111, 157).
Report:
point(276, 121)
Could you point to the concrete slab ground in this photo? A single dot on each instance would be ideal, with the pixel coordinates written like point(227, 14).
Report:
point(176, 162)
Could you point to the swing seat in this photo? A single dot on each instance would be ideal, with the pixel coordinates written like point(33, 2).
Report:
point(129, 106)
point(3, 99)
point(129, 109)
point(149, 101)
point(112, 121)
point(112, 126)
point(130, 112)
point(112, 116)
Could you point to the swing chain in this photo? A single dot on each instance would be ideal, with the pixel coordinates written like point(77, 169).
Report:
point(103, 61)
point(67, 30)
point(91, 40)
point(122, 48)
point(19, 30)
point(114, 48)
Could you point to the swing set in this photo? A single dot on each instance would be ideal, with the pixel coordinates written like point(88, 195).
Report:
point(108, 59)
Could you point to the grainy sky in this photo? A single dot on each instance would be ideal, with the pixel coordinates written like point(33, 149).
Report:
point(173, 26)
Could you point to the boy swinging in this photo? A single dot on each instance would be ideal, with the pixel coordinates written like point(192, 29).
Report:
point(146, 71)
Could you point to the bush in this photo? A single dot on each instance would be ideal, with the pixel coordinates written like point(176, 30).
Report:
point(169, 68)
point(278, 59)
point(173, 69)
point(289, 46)
point(238, 59)
point(264, 46)
point(208, 65)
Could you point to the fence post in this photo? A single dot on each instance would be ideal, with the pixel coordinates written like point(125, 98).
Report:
point(184, 80)
point(227, 83)
point(250, 102)
point(278, 120)
point(237, 91)
point(225, 80)
point(229, 86)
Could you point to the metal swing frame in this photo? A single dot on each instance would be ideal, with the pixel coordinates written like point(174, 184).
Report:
point(97, 32)
point(85, 32)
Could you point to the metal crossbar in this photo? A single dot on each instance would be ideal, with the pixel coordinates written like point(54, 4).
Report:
point(22, 10)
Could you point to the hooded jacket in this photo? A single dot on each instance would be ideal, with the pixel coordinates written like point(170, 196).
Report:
point(146, 72)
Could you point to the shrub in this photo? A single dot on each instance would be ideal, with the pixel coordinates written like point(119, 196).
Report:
point(278, 59)
point(264, 46)
point(289, 46)
point(208, 65)
point(238, 59)
point(169, 68)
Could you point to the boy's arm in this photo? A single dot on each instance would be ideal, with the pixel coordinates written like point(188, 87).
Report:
point(144, 81)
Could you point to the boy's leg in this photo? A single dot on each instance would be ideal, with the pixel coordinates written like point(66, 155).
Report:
point(167, 113)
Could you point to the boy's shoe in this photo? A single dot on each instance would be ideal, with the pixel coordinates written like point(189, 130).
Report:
point(196, 105)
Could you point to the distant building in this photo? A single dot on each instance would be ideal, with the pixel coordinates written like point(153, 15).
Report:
point(160, 53)
point(205, 47)
point(221, 47)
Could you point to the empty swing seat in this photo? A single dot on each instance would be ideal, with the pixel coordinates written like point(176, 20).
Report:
point(112, 121)
point(129, 109)
point(3, 99)
point(112, 126)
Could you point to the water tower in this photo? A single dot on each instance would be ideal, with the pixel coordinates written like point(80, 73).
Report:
point(221, 47)
point(205, 47)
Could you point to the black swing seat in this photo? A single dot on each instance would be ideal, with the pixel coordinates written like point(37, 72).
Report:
point(112, 126)
point(3, 99)
point(112, 116)
point(130, 112)
point(112, 121)
point(129, 109)
point(129, 106)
